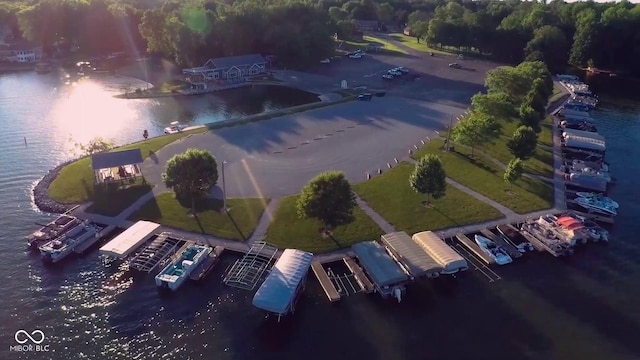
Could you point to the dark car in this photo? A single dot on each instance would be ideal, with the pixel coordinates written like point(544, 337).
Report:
point(365, 97)
point(455, 66)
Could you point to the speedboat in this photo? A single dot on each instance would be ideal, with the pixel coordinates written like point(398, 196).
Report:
point(596, 196)
point(588, 171)
point(550, 222)
point(494, 251)
point(63, 246)
point(173, 128)
point(602, 205)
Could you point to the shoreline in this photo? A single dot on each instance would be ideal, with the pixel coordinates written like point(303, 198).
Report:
point(40, 191)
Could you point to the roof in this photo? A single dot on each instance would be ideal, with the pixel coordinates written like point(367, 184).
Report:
point(585, 143)
point(450, 260)
point(111, 159)
point(410, 254)
point(279, 288)
point(384, 271)
point(585, 134)
point(123, 244)
point(227, 62)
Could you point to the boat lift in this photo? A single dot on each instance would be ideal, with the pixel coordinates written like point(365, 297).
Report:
point(246, 272)
point(156, 253)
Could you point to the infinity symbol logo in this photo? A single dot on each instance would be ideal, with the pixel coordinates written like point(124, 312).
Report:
point(34, 338)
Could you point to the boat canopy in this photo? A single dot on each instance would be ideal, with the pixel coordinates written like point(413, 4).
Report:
point(384, 271)
point(448, 258)
point(570, 223)
point(411, 255)
point(125, 243)
point(582, 142)
point(277, 292)
point(585, 134)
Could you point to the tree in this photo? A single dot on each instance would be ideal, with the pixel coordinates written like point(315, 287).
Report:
point(508, 80)
point(338, 14)
point(191, 174)
point(385, 13)
point(477, 129)
point(94, 146)
point(523, 143)
point(529, 117)
point(327, 197)
point(429, 178)
point(495, 104)
point(552, 42)
point(514, 171)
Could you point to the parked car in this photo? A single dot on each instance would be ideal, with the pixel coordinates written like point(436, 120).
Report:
point(460, 56)
point(355, 56)
point(403, 70)
point(387, 77)
point(394, 73)
point(325, 61)
point(455, 66)
point(365, 97)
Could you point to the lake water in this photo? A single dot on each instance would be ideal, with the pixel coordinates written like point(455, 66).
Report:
point(543, 308)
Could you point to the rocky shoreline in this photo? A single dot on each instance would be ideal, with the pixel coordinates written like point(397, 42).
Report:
point(41, 192)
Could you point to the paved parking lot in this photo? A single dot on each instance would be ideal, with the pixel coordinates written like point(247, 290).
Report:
point(278, 156)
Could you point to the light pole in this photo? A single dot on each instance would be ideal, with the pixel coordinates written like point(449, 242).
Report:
point(224, 191)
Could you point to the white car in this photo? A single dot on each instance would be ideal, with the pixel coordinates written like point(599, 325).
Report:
point(394, 73)
point(174, 127)
point(325, 61)
point(387, 77)
point(402, 70)
point(355, 56)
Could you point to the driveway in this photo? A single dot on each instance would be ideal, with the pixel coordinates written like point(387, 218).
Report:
point(277, 157)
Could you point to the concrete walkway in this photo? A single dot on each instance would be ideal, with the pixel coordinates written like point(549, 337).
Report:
point(260, 232)
point(382, 223)
point(503, 209)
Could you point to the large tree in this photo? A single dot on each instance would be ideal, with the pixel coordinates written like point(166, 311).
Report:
point(429, 178)
point(327, 197)
point(191, 174)
point(523, 143)
point(477, 129)
point(495, 104)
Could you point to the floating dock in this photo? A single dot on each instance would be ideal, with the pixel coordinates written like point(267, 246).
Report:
point(591, 216)
point(325, 282)
point(205, 267)
point(511, 250)
point(358, 273)
point(89, 242)
point(473, 247)
point(536, 246)
point(539, 244)
point(157, 253)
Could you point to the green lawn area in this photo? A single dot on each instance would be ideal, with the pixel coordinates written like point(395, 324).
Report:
point(386, 46)
point(75, 181)
point(165, 209)
point(289, 231)
point(413, 43)
point(112, 201)
point(485, 177)
point(392, 197)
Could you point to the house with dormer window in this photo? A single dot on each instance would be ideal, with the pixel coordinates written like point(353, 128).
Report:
point(225, 71)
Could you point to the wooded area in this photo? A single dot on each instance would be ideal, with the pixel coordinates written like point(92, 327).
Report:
point(299, 32)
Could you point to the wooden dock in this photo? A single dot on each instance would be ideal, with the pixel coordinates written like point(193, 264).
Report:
point(363, 280)
point(591, 216)
point(472, 246)
point(539, 244)
point(536, 246)
point(325, 282)
point(205, 267)
point(511, 250)
point(90, 242)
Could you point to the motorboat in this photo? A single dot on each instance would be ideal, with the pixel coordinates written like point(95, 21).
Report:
point(52, 230)
point(601, 205)
point(548, 238)
point(511, 234)
point(497, 253)
point(577, 107)
point(599, 166)
point(588, 171)
point(588, 228)
point(590, 182)
point(64, 245)
point(173, 128)
point(174, 274)
point(596, 196)
point(550, 222)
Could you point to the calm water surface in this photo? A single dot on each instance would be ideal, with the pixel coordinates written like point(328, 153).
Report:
point(586, 307)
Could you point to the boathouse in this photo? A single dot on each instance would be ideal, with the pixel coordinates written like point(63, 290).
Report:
point(387, 275)
point(282, 287)
point(116, 165)
point(412, 257)
point(449, 259)
point(225, 71)
point(129, 240)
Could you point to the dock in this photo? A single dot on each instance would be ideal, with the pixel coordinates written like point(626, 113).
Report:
point(510, 249)
point(472, 246)
point(91, 241)
point(539, 244)
point(205, 267)
point(325, 282)
point(158, 252)
point(591, 216)
point(536, 246)
point(363, 280)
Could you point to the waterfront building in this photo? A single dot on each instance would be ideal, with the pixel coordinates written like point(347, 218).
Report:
point(225, 71)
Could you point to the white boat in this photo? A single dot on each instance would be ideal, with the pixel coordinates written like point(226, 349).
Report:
point(599, 166)
point(174, 127)
point(550, 239)
point(602, 205)
point(587, 171)
point(62, 246)
point(578, 224)
point(597, 196)
point(550, 222)
point(174, 274)
point(498, 254)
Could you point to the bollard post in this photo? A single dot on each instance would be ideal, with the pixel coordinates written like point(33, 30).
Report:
point(410, 152)
point(415, 147)
point(396, 160)
point(379, 171)
point(389, 165)
point(422, 142)
point(368, 176)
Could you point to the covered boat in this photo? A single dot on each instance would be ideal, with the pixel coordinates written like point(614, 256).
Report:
point(449, 259)
point(413, 257)
point(386, 274)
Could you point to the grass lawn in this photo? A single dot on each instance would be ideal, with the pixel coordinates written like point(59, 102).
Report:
point(75, 181)
point(485, 177)
point(413, 43)
point(112, 201)
point(385, 45)
point(392, 197)
point(165, 209)
point(289, 231)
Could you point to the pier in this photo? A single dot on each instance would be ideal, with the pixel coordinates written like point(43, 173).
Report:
point(539, 244)
point(205, 267)
point(473, 247)
point(363, 280)
point(157, 252)
point(325, 282)
point(90, 242)
point(510, 249)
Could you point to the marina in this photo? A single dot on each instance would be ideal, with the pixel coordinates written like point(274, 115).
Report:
point(64, 245)
point(205, 267)
point(179, 270)
point(128, 241)
point(510, 249)
point(449, 259)
point(388, 278)
point(473, 247)
point(326, 283)
point(415, 260)
point(52, 230)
